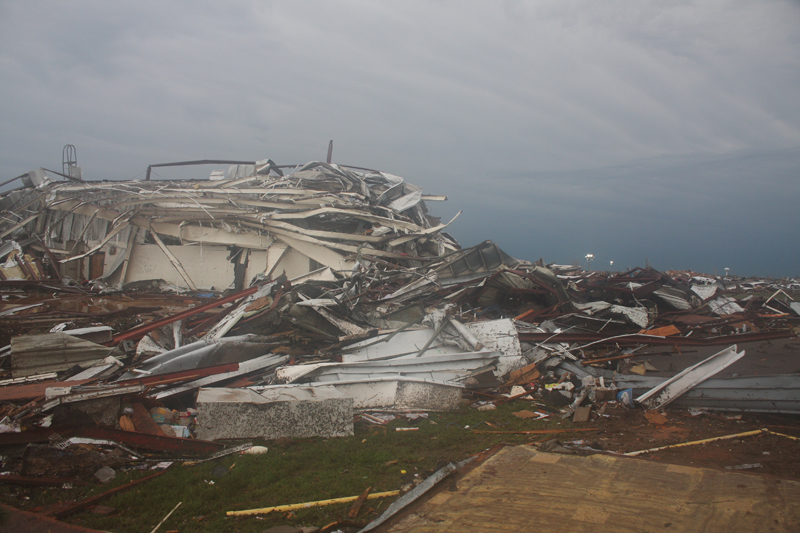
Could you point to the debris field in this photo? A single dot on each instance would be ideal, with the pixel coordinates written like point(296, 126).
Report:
point(185, 319)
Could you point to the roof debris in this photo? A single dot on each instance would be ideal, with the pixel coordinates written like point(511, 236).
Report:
point(271, 301)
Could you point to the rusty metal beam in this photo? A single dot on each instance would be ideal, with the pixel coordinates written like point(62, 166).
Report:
point(206, 322)
point(152, 442)
point(85, 504)
point(140, 331)
point(533, 314)
point(26, 269)
point(176, 445)
point(37, 481)
point(35, 390)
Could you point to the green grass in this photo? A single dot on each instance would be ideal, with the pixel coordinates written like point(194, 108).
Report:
point(296, 471)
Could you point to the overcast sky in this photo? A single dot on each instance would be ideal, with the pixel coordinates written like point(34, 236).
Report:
point(661, 131)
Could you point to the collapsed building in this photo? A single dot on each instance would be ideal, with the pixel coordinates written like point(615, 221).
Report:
point(221, 232)
point(278, 293)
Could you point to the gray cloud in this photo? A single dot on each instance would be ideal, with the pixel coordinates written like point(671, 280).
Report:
point(592, 122)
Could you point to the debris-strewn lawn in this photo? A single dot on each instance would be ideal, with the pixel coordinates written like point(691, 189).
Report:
point(319, 469)
point(296, 471)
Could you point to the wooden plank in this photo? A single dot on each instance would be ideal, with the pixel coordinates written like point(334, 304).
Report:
point(666, 331)
point(526, 374)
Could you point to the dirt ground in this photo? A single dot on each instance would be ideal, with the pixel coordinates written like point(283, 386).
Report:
point(624, 430)
point(628, 430)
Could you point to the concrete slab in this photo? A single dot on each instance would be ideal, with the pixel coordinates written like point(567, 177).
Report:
point(293, 412)
point(520, 489)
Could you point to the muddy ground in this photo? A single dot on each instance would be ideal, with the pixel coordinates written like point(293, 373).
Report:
point(628, 430)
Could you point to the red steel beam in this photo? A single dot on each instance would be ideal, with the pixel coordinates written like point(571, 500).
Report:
point(140, 331)
point(25, 267)
point(85, 504)
point(159, 443)
point(36, 481)
point(34, 390)
point(151, 442)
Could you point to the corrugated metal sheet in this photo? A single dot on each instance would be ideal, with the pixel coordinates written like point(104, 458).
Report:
point(51, 352)
point(770, 394)
point(725, 305)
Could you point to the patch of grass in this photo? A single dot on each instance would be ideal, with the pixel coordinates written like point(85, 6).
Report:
point(296, 471)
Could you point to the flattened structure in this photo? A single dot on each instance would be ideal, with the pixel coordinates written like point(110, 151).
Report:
point(215, 233)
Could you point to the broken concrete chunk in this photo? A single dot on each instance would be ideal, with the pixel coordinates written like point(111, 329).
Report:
point(582, 414)
point(292, 412)
point(105, 474)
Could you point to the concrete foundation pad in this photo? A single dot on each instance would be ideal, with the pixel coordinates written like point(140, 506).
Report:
point(520, 489)
point(278, 412)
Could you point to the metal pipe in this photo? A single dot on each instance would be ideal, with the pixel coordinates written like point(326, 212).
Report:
point(306, 505)
point(198, 162)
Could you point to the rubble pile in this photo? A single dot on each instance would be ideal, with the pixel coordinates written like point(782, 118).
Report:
point(269, 301)
point(218, 233)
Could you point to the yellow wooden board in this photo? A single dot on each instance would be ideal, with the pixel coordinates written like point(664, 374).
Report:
point(521, 490)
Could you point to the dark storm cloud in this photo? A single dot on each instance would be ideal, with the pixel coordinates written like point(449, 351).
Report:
point(632, 126)
point(704, 213)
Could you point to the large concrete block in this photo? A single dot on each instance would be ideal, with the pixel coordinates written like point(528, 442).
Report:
point(293, 412)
